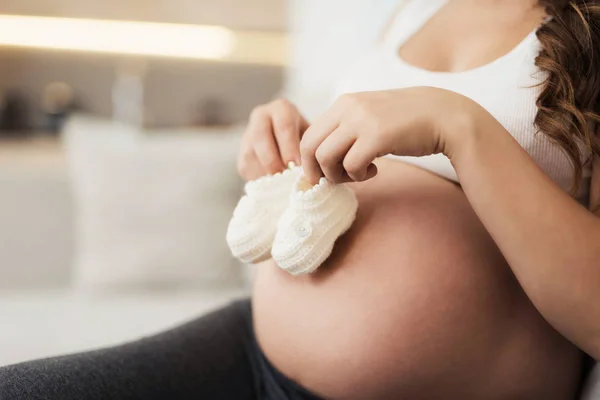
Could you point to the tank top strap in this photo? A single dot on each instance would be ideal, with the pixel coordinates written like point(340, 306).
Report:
point(411, 15)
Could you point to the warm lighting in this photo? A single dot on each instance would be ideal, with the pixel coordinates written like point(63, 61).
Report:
point(142, 38)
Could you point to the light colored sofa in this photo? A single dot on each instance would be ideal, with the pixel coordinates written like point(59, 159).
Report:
point(35, 215)
point(46, 306)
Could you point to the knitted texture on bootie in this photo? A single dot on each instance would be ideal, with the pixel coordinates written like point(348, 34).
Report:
point(315, 218)
point(252, 228)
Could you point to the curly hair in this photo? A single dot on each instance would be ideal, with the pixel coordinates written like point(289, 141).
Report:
point(569, 105)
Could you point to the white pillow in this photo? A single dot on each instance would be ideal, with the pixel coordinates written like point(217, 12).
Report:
point(152, 209)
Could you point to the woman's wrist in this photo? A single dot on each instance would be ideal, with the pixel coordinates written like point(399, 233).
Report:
point(461, 131)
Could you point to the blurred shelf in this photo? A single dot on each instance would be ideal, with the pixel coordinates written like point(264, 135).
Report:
point(147, 39)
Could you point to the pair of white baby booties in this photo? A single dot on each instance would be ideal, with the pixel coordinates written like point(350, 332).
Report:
point(284, 217)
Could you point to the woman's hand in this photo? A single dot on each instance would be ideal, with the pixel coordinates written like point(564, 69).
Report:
point(271, 140)
point(343, 143)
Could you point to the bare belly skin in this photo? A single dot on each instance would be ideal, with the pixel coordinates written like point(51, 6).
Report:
point(416, 302)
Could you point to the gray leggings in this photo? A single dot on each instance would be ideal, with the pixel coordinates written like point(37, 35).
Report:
point(215, 357)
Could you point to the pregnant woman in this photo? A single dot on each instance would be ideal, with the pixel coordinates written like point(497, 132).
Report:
point(472, 271)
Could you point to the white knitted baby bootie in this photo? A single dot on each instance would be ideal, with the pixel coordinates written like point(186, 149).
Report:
point(252, 229)
point(309, 227)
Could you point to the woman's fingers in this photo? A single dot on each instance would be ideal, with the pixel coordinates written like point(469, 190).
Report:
point(248, 165)
point(330, 154)
point(312, 139)
point(268, 154)
point(287, 130)
point(272, 139)
point(263, 141)
point(358, 162)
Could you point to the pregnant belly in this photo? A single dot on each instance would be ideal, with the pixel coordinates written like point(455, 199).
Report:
point(416, 302)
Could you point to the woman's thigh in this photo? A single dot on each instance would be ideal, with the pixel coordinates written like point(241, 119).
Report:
point(204, 359)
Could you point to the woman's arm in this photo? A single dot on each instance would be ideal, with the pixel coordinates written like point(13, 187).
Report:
point(550, 241)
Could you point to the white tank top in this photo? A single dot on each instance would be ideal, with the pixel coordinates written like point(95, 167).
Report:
point(506, 88)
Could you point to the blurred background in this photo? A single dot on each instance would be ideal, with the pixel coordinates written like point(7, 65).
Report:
point(119, 128)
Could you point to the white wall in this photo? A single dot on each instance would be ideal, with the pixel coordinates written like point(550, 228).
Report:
point(326, 37)
point(241, 14)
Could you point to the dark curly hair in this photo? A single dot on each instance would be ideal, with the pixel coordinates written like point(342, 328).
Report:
point(569, 105)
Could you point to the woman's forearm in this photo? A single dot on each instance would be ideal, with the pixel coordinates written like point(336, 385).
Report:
point(550, 241)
